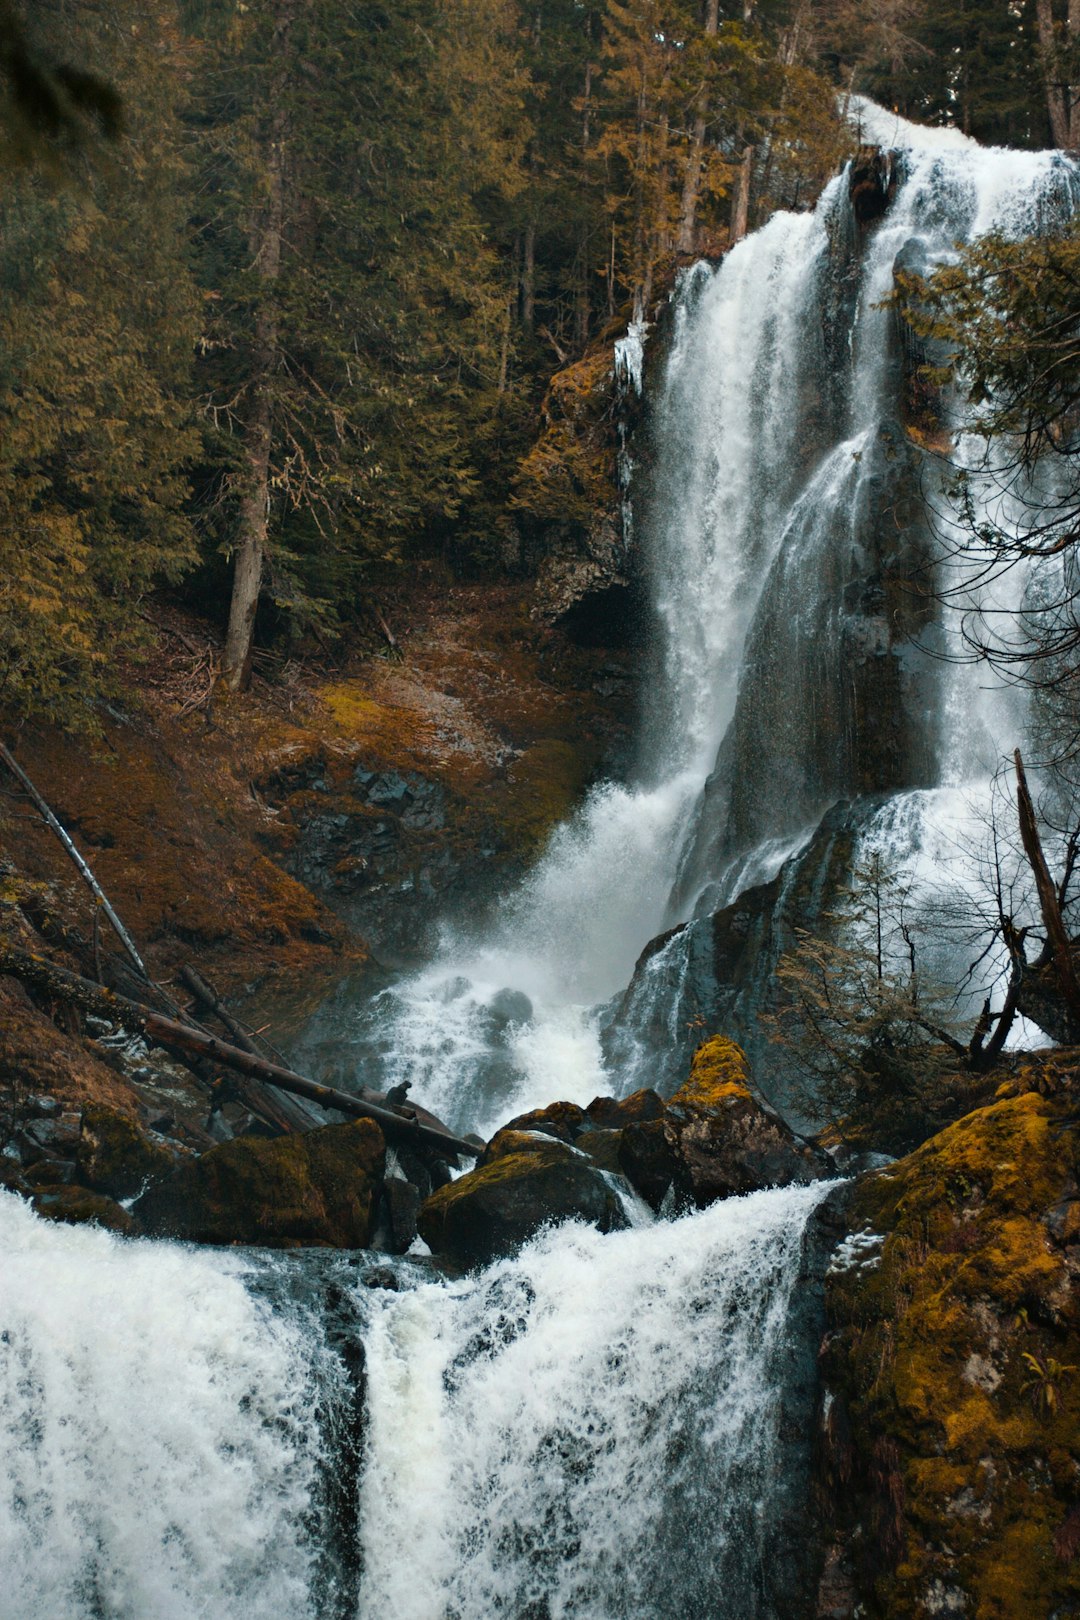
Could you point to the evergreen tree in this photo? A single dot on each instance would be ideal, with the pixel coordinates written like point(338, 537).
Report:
point(357, 347)
point(96, 329)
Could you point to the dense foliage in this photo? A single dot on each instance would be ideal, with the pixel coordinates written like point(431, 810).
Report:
point(298, 317)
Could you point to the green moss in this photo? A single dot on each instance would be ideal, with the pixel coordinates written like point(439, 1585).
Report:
point(719, 1073)
point(942, 1354)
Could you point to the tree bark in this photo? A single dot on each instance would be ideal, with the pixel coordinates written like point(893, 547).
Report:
point(254, 507)
point(528, 278)
point(686, 239)
point(740, 201)
point(1062, 101)
point(1049, 905)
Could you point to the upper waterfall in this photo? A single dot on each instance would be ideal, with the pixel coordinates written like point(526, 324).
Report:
point(789, 547)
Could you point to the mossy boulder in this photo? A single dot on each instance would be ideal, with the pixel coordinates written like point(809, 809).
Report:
point(493, 1210)
point(951, 1446)
point(563, 1120)
point(727, 1141)
point(79, 1206)
point(116, 1156)
point(320, 1187)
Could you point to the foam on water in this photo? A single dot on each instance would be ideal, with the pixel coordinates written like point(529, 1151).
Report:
point(556, 1431)
point(157, 1455)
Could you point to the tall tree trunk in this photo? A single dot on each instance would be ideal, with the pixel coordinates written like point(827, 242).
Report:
point(1049, 902)
point(1058, 95)
point(528, 278)
point(254, 506)
point(582, 308)
point(686, 238)
point(740, 197)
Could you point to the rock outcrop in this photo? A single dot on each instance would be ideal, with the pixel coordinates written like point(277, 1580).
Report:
point(532, 1181)
point(726, 1141)
point(317, 1188)
point(713, 1139)
point(950, 1433)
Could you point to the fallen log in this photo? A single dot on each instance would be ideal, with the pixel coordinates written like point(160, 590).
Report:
point(288, 1114)
point(169, 1032)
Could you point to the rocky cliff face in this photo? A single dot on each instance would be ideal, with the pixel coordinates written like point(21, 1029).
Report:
point(950, 1424)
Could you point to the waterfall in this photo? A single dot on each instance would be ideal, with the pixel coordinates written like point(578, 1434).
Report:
point(787, 539)
point(602, 1426)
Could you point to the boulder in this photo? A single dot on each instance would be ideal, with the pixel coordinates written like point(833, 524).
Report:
point(612, 1113)
point(115, 1156)
point(511, 1139)
point(725, 1140)
point(648, 1160)
point(494, 1209)
point(320, 1187)
point(603, 1148)
point(563, 1120)
point(78, 1205)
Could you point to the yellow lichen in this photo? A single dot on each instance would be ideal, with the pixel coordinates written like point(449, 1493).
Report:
point(719, 1074)
point(934, 1353)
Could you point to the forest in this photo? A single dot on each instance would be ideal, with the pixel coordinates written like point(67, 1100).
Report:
point(539, 809)
point(296, 293)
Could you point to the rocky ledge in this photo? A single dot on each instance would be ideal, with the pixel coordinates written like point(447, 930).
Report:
point(713, 1139)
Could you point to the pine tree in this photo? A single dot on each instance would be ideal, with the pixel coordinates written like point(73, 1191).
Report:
point(96, 329)
point(357, 346)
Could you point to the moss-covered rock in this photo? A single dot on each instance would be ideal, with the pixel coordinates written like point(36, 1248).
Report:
point(320, 1188)
point(80, 1206)
point(563, 1120)
point(493, 1210)
point(952, 1447)
point(116, 1156)
point(725, 1140)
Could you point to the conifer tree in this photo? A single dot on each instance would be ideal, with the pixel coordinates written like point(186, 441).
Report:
point(357, 343)
point(97, 324)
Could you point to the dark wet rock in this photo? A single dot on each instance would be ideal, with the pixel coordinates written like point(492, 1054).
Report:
point(726, 1141)
point(586, 583)
point(563, 1120)
point(115, 1156)
point(42, 1107)
point(603, 1148)
point(611, 1113)
point(79, 1206)
point(493, 1210)
point(319, 1187)
point(647, 1159)
point(398, 1211)
point(54, 1136)
point(381, 1277)
point(50, 1173)
point(872, 180)
point(510, 1007)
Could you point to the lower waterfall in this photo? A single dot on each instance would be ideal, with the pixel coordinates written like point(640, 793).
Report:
point(602, 1426)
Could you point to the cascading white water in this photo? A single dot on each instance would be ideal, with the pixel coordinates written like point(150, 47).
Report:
point(591, 1429)
point(156, 1451)
point(776, 449)
point(602, 1426)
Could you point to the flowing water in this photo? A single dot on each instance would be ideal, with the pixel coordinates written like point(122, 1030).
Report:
point(602, 1426)
point(787, 540)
